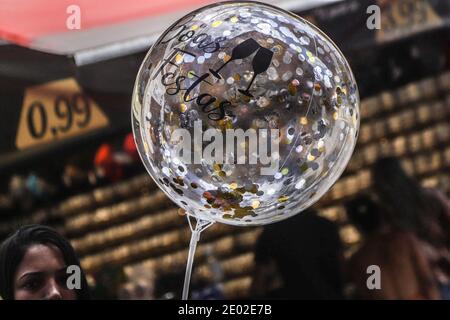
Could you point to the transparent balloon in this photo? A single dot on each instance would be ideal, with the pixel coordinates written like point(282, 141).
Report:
point(244, 113)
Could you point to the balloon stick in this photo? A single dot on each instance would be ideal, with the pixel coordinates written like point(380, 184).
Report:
point(200, 226)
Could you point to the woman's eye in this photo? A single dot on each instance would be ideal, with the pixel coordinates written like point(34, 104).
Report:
point(32, 284)
point(62, 279)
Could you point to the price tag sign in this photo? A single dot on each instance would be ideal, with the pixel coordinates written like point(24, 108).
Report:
point(56, 110)
point(400, 18)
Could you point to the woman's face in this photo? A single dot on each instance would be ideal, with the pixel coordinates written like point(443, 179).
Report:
point(42, 275)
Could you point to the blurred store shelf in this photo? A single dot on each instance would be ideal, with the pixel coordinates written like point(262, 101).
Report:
point(132, 225)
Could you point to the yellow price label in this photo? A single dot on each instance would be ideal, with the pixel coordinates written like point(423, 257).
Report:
point(56, 110)
point(400, 18)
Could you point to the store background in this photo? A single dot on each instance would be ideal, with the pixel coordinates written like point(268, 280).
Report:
point(87, 181)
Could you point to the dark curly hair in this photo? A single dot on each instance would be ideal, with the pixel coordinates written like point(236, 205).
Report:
point(407, 204)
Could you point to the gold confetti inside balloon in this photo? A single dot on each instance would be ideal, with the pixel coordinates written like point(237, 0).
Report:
point(244, 113)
